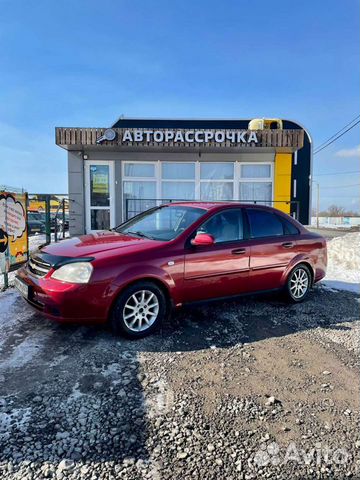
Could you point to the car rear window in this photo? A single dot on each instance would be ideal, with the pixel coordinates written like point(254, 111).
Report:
point(264, 224)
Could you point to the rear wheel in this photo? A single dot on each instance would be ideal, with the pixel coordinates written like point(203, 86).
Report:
point(139, 310)
point(298, 284)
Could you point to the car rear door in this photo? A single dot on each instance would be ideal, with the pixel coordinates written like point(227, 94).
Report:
point(273, 246)
point(221, 269)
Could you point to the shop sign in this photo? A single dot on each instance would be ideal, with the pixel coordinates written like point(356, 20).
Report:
point(13, 231)
point(182, 136)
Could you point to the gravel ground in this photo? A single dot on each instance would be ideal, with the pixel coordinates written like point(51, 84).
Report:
point(238, 390)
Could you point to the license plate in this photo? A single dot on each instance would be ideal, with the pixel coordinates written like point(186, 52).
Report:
point(22, 287)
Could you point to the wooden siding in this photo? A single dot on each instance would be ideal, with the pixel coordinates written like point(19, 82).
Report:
point(82, 138)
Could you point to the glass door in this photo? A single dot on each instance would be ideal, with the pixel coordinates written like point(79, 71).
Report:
point(99, 183)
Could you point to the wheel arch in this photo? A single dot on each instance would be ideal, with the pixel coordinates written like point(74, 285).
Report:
point(299, 261)
point(147, 278)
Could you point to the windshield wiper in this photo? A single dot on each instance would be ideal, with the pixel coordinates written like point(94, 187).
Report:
point(139, 234)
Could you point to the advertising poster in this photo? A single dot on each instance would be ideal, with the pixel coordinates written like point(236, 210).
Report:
point(100, 182)
point(13, 231)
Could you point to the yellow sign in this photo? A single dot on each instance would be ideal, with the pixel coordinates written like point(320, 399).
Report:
point(13, 231)
point(100, 183)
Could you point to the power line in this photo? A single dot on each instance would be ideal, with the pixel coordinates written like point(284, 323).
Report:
point(342, 186)
point(336, 138)
point(336, 173)
point(338, 196)
point(343, 128)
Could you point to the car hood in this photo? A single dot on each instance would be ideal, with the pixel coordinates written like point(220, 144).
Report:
point(87, 245)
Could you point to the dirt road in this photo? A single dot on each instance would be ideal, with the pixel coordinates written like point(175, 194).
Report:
point(237, 390)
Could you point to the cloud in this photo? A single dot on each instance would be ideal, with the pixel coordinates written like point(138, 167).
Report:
point(349, 152)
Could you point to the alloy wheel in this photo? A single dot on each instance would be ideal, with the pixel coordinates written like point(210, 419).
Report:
point(141, 310)
point(299, 283)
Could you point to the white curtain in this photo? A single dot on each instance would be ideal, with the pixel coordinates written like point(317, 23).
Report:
point(217, 171)
point(255, 171)
point(216, 191)
point(139, 170)
point(250, 191)
point(178, 190)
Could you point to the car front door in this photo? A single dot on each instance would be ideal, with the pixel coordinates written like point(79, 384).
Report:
point(273, 247)
point(221, 269)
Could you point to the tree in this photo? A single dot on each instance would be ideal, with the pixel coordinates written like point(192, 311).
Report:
point(337, 211)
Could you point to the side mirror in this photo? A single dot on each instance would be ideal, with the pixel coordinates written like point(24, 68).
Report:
point(203, 239)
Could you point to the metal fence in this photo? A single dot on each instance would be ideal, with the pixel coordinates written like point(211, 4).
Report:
point(135, 206)
point(47, 214)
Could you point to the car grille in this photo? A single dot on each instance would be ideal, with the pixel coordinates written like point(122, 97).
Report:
point(38, 267)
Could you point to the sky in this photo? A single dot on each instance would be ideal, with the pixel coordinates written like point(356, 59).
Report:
point(84, 63)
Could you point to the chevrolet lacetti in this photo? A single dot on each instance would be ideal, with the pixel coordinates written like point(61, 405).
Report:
point(183, 252)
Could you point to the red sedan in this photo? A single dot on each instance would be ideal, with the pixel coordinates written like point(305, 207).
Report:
point(165, 257)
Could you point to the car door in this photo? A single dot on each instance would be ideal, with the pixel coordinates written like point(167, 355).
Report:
point(221, 269)
point(272, 245)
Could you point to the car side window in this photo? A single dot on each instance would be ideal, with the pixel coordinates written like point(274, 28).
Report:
point(264, 224)
point(226, 226)
point(289, 228)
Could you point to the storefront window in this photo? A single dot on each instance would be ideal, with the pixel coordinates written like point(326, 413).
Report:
point(217, 171)
point(138, 196)
point(255, 171)
point(178, 171)
point(146, 185)
point(139, 170)
point(255, 183)
point(178, 190)
point(178, 181)
point(212, 184)
point(255, 191)
point(216, 191)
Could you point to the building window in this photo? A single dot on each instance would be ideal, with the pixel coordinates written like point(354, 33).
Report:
point(178, 181)
point(139, 187)
point(146, 184)
point(255, 183)
point(139, 170)
point(217, 181)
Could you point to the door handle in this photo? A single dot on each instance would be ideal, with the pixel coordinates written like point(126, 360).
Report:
point(287, 244)
point(238, 251)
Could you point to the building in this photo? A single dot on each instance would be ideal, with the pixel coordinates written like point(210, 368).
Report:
point(118, 172)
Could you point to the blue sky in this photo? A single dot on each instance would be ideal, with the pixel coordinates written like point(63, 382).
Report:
point(84, 63)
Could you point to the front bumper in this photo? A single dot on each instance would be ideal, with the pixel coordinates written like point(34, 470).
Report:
point(66, 302)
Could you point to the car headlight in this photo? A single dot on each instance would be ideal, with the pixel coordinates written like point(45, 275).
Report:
point(77, 272)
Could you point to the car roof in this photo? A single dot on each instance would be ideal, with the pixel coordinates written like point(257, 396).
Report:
point(216, 205)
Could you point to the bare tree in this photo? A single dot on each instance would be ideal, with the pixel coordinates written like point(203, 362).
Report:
point(337, 211)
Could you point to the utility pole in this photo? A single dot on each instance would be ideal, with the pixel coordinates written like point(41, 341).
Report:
point(317, 204)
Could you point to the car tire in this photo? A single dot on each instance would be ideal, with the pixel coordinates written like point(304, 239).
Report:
point(298, 284)
point(139, 310)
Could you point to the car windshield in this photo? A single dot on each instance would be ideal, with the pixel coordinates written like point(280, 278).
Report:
point(164, 223)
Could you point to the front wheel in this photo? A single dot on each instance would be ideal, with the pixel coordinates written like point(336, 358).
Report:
point(139, 310)
point(298, 284)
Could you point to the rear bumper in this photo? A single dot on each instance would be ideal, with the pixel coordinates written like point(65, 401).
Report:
point(319, 275)
point(65, 302)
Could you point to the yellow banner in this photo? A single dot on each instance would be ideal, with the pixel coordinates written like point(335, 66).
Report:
point(13, 231)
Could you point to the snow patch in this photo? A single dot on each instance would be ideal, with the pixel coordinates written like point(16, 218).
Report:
point(343, 271)
point(76, 394)
point(159, 401)
point(13, 311)
point(19, 418)
point(25, 351)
